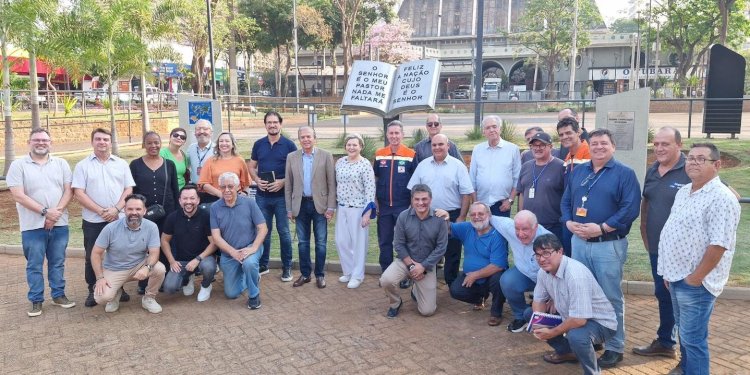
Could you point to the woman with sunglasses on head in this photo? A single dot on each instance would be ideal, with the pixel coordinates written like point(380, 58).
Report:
point(225, 159)
point(173, 152)
point(155, 178)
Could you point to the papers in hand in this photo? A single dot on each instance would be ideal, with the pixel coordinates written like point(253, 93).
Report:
point(543, 320)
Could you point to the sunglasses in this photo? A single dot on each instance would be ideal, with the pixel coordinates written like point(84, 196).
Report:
point(432, 124)
point(180, 136)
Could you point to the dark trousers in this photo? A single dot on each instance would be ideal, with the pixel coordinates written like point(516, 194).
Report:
point(666, 333)
point(452, 253)
point(495, 211)
point(386, 227)
point(90, 234)
point(478, 292)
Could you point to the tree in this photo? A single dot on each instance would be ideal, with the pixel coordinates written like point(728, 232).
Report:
point(691, 27)
point(627, 25)
point(388, 42)
point(103, 44)
point(546, 27)
point(313, 34)
point(193, 26)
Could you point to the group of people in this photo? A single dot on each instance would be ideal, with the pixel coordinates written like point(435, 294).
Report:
point(568, 239)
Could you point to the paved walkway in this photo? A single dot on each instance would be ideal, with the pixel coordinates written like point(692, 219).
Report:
point(303, 331)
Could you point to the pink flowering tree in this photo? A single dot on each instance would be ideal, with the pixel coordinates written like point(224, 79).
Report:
point(388, 42)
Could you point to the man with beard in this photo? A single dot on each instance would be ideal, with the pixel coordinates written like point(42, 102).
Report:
point(128, 249)
point(190, 233)
point(199, 152)
point(40, 185)
point(100, 183)
point(485, 259)
point(268, 168)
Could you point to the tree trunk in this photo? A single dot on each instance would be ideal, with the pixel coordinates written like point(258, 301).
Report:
point(112, 122)
point(34, 87)
point(724, 6)
point(10, 151)
point(335, 78)
point(288, 67)
point(146, 121)
point(198, 63)
point(278, 72)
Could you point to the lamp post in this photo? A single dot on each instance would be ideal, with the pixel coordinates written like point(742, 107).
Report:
point(211, 50)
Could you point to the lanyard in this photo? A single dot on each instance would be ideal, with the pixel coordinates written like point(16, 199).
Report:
point(535, 177)
point(586, 181)
point(198, 151)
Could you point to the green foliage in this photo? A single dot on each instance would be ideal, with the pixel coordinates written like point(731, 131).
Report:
point(340, 140)
point(371, 145)
point(508, 131)
point(416, 136)
point(474, 134)
point(628, 25)
point(106, 104)
point(69, 102)
point(650, 136)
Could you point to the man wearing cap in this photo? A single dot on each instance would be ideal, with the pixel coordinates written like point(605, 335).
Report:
point(541, 184)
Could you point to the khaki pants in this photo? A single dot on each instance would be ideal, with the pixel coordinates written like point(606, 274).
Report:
point(118, 278)
point(424, 290)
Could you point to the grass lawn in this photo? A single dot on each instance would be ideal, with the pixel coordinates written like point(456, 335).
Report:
point(636, 268)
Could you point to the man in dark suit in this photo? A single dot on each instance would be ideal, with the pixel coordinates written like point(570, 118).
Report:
point(310, 193)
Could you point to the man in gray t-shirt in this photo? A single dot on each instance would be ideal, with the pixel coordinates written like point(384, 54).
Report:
point(128, 249)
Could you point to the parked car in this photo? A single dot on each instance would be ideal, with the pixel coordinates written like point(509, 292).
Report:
point(462, 92)
point(153, 95)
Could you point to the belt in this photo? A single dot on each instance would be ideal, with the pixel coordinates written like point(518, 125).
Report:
point(307, 198)
point(606, 237)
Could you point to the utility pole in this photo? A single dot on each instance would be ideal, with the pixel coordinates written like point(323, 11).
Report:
point(478, 64)
point(573, 53)
point(211, 50)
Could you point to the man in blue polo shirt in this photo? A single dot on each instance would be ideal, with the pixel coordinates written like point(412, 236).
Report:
point(485, 259)
point(600, 203)
point(268, 167)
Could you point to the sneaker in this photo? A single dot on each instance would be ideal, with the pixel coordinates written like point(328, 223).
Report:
point(286, 275)
point(393, 311)
point(63, 302)
point(354, 283)
point(609, 359)
point(345, 278)
point(262, 270)
point(36, 309)
point(655, 349)
point(189, 289)
point(517, 325)
point(124, 297)
point(253, 303)
point(114, 304)
point(150, 304)
point(205, 293)
point(90, 301)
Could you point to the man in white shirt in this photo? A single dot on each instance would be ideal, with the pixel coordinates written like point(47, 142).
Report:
point(696, 248)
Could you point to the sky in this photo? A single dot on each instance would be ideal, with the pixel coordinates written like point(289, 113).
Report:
point(609, 9)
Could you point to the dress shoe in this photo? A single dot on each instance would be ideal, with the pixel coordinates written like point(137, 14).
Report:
point(655, 349)
point(494, 321)
point(301, 281)
point(320, 281)
point(556, 359)
point(90, 301)
point(609, 359)
point(393, 311)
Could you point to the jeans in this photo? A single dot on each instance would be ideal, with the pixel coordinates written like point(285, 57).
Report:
point(692, 310)
point(38, 244)
point(452, 253)
point(386, 227)
point(477, 292)
point(90, 233)
point(581, 341)
point(514, 284)
point(306, 218)
point(605, 260)
point(176, 280)
point(667, 331)
point(240, 276)
point(275, 206)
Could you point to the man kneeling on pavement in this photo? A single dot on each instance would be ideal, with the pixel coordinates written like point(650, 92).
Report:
point(127, 249)
point(566, 287)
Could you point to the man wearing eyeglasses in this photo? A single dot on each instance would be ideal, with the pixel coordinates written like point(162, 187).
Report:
point(40, 185)
point(541, 184)
point(663, 179)
point(600, 203)
point(238, 229)
point(696, 248)
point(567, 288)
point(423, 148)
point(198, 153)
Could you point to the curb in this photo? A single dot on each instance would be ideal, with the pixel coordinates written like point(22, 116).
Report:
point(641, 288)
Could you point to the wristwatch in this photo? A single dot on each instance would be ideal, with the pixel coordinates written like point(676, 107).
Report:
point(149, 267)
point(510, 200)
point(411, 266)
point(44, 211)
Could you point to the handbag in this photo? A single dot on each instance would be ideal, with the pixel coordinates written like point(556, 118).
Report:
point(156, 212)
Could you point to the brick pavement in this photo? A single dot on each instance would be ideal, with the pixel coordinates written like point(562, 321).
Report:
point(303, 330)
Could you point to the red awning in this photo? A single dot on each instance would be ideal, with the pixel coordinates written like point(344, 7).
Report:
point(20, 65)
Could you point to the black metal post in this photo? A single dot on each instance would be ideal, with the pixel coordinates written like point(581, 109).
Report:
point(478, 64)
point(211, 50)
